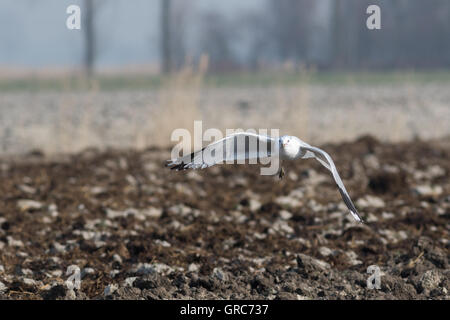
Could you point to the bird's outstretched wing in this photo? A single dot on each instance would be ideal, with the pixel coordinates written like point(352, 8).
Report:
point(325, 159)
point(234, 148)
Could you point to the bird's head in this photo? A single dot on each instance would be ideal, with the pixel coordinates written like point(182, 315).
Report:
point(286, 141)
point(290, 144)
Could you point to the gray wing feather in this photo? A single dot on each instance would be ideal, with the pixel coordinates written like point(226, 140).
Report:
point(325, 159)
point(234, 148)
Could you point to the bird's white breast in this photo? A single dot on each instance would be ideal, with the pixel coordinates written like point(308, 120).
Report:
point(290, 151)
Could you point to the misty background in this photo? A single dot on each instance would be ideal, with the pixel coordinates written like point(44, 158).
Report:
point(236, 35)
point(139, 69)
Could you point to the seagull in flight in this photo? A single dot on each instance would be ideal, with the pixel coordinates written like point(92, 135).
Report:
point(242, 146)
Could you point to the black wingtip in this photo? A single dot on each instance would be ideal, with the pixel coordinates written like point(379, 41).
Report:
point(348, 202)
point(176, 167)
point(357, 216)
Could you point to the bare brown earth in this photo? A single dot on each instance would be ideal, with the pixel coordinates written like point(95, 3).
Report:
point(140, 231)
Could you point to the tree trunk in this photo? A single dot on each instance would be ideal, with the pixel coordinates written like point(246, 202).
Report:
point(166, 54)
point(337, 34)
point(89, 37)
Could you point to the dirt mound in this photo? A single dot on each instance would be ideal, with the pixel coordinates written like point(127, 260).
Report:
point(135, 229)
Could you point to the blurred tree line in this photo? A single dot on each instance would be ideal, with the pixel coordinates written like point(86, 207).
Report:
point(330, 34)
point(326, 34)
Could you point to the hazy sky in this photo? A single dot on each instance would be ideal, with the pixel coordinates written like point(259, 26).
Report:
point(33, 33)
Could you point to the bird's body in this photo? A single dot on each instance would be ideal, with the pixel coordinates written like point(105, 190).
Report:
point(249, 146)
point(290, 148)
